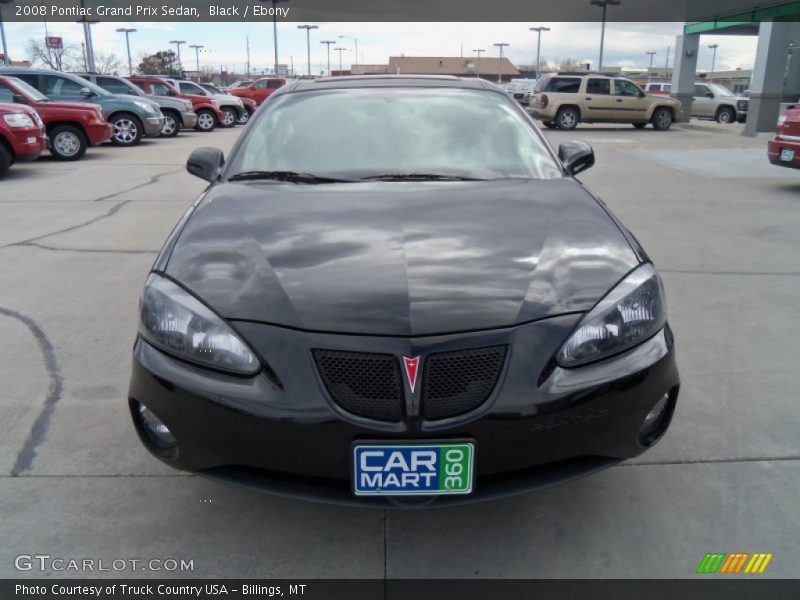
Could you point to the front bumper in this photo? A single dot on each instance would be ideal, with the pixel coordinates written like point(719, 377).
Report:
point(153, 125)
point(28, 144)
point(98, 133)
point(542, 425)
point(189, 119)
point(774, 148)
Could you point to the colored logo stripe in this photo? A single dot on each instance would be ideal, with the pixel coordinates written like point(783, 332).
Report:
point(758, 563)
point(733, 563)
point(710, 563)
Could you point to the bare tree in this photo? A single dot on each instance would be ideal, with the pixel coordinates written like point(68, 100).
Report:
point(107, 64)
point(59, 59)
point(207, 73)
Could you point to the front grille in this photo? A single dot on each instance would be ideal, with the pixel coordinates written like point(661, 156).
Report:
point(364, 384)
point(457, 382)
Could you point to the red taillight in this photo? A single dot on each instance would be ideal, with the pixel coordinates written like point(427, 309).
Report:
point(543, 100)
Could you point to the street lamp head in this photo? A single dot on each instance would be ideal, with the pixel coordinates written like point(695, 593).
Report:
point(713, 46)
point(308, 26)
point(604, 3)
point(125, 30)
point(177, 41)
point(539, 29)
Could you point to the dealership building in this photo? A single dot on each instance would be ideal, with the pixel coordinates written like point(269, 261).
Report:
point(776, 71)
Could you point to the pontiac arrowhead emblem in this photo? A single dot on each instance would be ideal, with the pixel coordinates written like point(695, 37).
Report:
point(411, 365)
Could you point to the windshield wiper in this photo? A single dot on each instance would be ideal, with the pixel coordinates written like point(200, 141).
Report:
point(288, 176)
point(419, 177)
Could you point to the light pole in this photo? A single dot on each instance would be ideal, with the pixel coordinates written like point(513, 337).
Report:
point(87, 34)
point(6, 60)
point(178, 45)
point(275, 28)
point(539, 31)
point(127, 32)
point(500, 45)
point(328, 44)
point(652, 54)
point(714, 56)
point(478, 52)
point(604, 4)
point(355, 40)
point(197, 54)
point(308, 29)
point(340, 58)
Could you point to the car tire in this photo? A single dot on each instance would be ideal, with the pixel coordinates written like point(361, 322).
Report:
point(640, 125)
point(726, 115)
point(67, 142)
point(127, 129)
point(206, 120)
point(229, 117)
point(6, 159)
point(172, 124)
point(549, 124)
point(662, 119)
point(568, 118)
point(244, 118)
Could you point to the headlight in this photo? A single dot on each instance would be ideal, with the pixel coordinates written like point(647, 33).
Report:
point(742, 104)
point(176, 322)
point(629, 314)
point(18, 120)
point(144, 106)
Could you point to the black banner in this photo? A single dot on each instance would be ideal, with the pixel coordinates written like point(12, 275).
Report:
point(728, 588)
point(382, 10)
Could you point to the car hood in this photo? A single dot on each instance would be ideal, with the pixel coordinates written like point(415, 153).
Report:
point(400, 259)
point(164, 101)
point(222, 98)
point(49, 104)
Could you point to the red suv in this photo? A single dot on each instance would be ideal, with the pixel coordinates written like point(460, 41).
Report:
point(784, 148)
point(22, 136)
point(259, 90)
point(207, 109)
point(71, 126)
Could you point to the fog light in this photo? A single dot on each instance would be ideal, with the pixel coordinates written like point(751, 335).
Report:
point(155, 428)
point(653, 424)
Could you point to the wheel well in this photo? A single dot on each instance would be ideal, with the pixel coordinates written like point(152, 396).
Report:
point(669, 108)
point(575, 106)
point(124, 112)
point(722, 107)
point(5, 144)
point(51, 126)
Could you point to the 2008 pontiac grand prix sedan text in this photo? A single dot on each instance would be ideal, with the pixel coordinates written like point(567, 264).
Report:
point(396, 292)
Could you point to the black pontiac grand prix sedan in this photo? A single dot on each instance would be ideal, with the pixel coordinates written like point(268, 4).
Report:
point(395, 292)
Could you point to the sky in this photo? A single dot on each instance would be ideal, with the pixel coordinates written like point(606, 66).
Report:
point(225, 43)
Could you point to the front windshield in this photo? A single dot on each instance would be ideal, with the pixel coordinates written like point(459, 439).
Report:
point(31, 91)
point(212, 89)
point(369, 132)
point(721, 90)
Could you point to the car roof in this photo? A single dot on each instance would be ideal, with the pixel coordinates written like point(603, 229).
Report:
point(398, 81)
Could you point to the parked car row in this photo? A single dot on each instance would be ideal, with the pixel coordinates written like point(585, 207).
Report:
point(67, 113)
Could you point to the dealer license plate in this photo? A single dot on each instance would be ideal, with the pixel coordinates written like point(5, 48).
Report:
point(787, 155)
point(409, 469)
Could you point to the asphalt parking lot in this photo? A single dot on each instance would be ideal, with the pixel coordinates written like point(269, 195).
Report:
point(721, 224)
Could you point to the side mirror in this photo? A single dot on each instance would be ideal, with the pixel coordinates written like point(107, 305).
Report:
point(206, 163)
point(19, 99)
point(87, 92)
point(709, 94)
point(576, 156)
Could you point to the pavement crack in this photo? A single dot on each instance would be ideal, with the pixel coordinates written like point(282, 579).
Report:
point(38, 431)
point(88, 250)
point(109, 213)
point(708, 461)
point(153, 179)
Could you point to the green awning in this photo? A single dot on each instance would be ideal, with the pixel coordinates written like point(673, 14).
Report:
point(745, 20)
